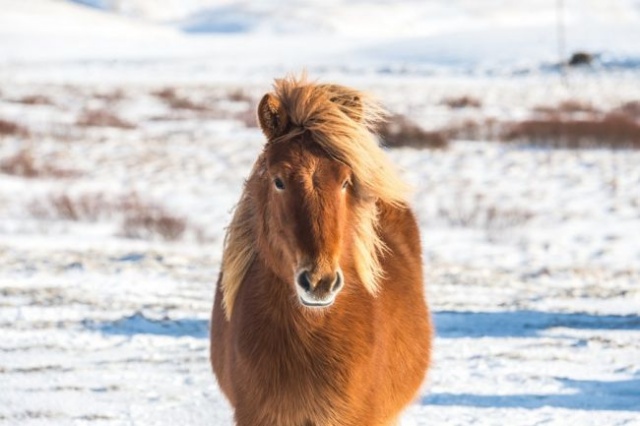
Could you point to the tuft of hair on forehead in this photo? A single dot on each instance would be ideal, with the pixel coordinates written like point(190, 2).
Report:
point(342, 121)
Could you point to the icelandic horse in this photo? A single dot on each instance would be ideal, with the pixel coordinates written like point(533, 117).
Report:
point(319, 316)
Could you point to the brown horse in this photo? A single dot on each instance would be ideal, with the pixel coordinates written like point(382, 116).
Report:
point(319, 315)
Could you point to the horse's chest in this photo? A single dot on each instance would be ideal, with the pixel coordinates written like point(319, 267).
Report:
point(285, 357)
point(283, 365)
point(287, 381)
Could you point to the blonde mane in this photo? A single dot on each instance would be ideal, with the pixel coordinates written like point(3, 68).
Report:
point(341, 121)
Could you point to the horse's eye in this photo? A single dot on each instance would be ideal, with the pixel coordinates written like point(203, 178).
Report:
point(345, 184)
point(279, 184)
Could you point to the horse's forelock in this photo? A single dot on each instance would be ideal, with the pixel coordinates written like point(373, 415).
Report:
point(342, 120)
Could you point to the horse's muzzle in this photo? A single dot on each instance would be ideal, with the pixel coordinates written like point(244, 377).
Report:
point(318, 292)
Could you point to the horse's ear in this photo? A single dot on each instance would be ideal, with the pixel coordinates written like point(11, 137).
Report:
point(272, 116)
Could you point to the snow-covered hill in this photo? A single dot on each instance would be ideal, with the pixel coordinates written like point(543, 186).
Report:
point(407, 35)
point(371, 18)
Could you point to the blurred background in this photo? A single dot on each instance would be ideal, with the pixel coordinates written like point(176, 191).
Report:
point(128, 126)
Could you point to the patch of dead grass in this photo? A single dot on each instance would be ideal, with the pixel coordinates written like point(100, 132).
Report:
point(492, 217)
point(570, 124)
point(399, 131)
point(478, 213)
point(110, 96)
point(146, 224)
point(24, 164)
point(570, 106)
point(140, 219)
point(170, 96)
point(611, 130)
point(239, 95)
point(630, 109)
point(34, 100)
point(248, 117)
point(11, 128)
point(458, 102)
point(102, 118)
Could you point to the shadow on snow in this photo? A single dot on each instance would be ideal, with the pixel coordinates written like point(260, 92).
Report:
point(454, 324)
point(581, 394)
point(138, 323)
point(619, 395)
point(587, 395)
point(449, 324)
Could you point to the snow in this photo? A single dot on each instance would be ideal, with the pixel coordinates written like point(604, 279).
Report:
point(536, 311)
point(68, 41)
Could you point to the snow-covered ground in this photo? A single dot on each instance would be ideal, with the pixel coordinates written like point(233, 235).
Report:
point(532, 256)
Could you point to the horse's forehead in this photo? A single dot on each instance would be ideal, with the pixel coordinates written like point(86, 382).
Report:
point(304, 157)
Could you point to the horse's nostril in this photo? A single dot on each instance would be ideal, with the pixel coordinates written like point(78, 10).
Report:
point(337, 284)
point(303, 281)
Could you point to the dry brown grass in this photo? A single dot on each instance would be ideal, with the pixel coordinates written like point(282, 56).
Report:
point(20, 164)
point(487, 217)
point(10, 128)
point(111, 96)
point(569, 124)
point(88, 207)
point(23, 163)
point(611, 130)
point(477, 213)
point(102, 118)
point(248, 117)
point(630, 109)
point(483, 216)
point(574, 124)
point(403, 132)
point(175, 101)
point(34, 100)
point(459, 102)
point(139, 218)
point(566, 107)
point(186, 108)
point(474, 130)
point(146, 224)
point(399, 131)
point(239, 95)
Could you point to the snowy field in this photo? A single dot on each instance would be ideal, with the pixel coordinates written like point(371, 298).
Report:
point(133, 136)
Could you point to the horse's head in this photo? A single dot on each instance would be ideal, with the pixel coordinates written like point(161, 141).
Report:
point(310, 208)
point(309, 203)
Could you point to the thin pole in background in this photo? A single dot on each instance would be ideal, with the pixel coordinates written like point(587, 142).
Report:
point(560, 34)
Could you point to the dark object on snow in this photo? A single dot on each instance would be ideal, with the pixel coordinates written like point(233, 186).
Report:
point(581, 58)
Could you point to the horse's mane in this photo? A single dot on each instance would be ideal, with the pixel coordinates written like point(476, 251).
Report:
point(341, 121)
